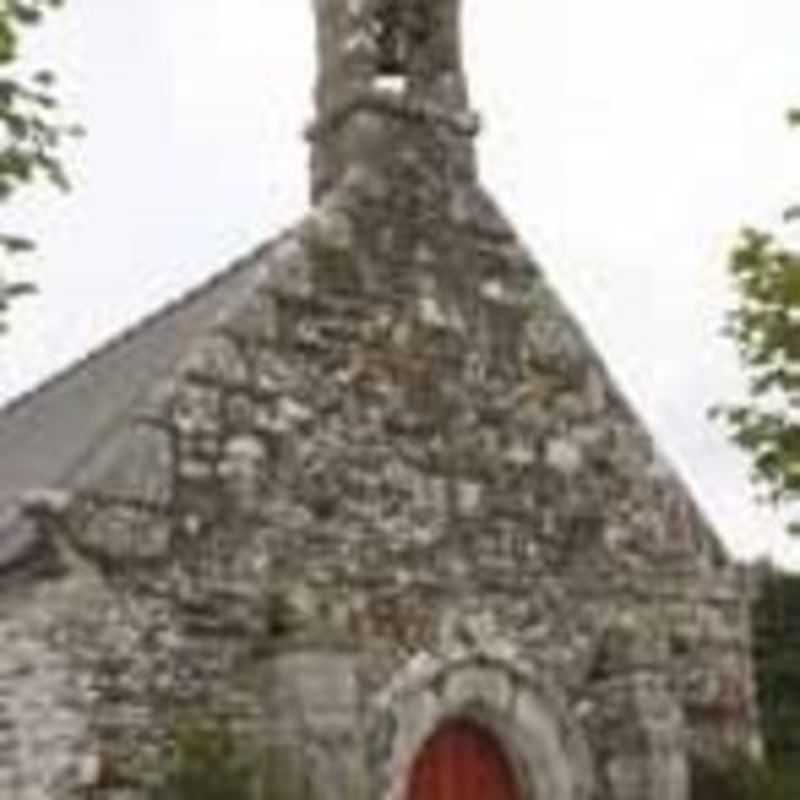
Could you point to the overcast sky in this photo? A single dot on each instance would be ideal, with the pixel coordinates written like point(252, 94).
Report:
point(627, 139)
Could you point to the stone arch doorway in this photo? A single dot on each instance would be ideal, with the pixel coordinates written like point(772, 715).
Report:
point(462, 760)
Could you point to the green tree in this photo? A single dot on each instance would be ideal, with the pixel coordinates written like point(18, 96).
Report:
point(31, 130)
point(764, 324)
point(776, 634)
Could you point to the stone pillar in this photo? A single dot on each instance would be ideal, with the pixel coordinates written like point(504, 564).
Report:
point(312, 714)
point(639, 737)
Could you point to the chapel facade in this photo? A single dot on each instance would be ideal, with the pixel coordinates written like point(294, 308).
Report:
point(369, 495)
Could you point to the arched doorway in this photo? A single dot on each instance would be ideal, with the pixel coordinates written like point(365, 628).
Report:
point(462, 761)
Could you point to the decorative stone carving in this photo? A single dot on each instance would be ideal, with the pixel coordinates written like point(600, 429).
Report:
point(523, 711)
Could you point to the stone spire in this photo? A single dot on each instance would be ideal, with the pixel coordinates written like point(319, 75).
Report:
point(390, 78)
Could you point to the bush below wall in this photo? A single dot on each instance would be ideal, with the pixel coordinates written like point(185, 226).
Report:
point(208, 762)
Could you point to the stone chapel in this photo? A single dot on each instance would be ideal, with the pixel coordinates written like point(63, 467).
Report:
point(369, 493)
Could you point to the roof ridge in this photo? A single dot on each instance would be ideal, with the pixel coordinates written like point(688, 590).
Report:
point(126, 333)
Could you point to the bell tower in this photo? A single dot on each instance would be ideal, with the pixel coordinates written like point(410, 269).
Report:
point(390, 78)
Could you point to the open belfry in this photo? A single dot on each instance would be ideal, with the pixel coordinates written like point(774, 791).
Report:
point(369, 497)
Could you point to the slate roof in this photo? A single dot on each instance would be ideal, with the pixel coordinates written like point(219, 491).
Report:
point(48, 435)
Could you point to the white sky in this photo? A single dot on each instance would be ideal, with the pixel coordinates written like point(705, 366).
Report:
point(627, 139)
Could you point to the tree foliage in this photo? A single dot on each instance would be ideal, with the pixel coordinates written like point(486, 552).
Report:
point(776, 633)
point(31, 129)
point(765, 327)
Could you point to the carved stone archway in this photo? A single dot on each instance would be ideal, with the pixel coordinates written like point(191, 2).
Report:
point(523, 713)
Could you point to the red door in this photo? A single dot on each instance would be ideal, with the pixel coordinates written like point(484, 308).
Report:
point(462, 761)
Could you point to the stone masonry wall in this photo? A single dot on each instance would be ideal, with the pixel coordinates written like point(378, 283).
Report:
point(401, 441)
point(45, 695)
point(399, 450)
